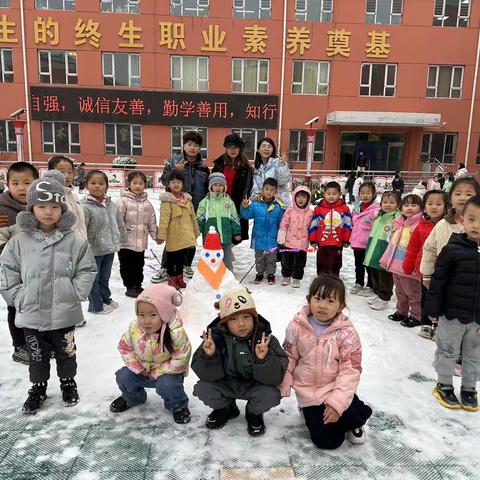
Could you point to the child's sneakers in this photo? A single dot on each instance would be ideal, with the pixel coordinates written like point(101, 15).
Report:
point(373, 300)
point(366, 292)
point(220, 416)
point(181, 415)
point(426, 332)
point(160, 276)
point(356, 289)
point(258, 279)
point(445, 394)
point(106, 310)
point(410, 322)
point(68, 387)
point(20, 355)
point(255, 424)
point(271, 279)
point(468, 399)
point(188, 272)
point(113, 305)
point(177, 282)
point(36, 396)
point(119, 405)
point(397, 317)
point(295, 283)
point(357, 436)
point(286, 281)
point(380, 304)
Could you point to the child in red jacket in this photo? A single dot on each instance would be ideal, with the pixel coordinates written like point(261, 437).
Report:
point(330, 230)
point(434, 206)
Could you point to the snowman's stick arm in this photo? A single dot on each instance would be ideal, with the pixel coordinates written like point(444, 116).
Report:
point(156, 258)
point(266, 252)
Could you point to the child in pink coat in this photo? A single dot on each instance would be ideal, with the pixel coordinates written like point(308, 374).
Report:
point(293, 234)
point(325, 357)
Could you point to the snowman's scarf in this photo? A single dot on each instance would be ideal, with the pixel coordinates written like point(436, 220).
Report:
point(214, 278)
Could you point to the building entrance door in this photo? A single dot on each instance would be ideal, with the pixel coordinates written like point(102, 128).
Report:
point(384, 151)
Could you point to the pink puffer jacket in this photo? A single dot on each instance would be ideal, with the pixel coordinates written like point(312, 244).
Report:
point(139, 218)
point(362, 225)
point(325, 369)
point(293, 231)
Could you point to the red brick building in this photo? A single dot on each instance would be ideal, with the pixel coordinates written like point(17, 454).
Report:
point(393, 78)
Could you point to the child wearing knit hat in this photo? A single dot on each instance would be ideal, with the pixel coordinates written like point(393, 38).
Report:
point(217, 209)
point(156, 351)
point(60, 269)
point(239, 359)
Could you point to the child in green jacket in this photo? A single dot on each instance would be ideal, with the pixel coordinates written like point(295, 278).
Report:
point(377, 244)
point(217, 209)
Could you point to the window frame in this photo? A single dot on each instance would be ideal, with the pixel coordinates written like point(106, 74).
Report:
point(258, 82)
point(181, 79)
point(319, 64)
point(385, 85)
point(200, 10)
point(116, 126)
point(48, 7)
point(240, 12)
point(203, 131)
point(130, 7)
point(296, 152)
point(49, 73)
point(302, 15)
point(3, 71)
point(11, 138)
point(6, 5)
point(425, 155)
point(452, 76)
point(392, 15)
point(131, 77)
point(71, 144)
point(440, 17)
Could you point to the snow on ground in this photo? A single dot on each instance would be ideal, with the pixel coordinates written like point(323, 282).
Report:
point(410, 435)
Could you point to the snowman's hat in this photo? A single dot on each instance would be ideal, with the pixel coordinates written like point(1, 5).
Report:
point(212, 240)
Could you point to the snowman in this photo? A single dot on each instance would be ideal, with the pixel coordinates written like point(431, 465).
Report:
point(208, 284)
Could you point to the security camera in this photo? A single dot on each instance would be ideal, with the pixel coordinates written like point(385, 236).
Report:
point(313, 120)
point(18, 112)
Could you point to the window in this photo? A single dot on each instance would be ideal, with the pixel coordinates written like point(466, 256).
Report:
point(252, 9)
point(249, 75)
point(378, 79)
point(310, 78)
point(121, 139)
point(297, 148)
point(444, 81)
point(61, 137)
point(439, 146)
point(5, 3)
point(189, 73)
point(451, 13)
point(55, 4)
point(6, 65)
point(192, 8)
point(384, 11)
point(8, 142)
point(177, 139)
point(251, 137)
point(120, 6)
point(121, 69)
point(58, 66)
point(313, 10)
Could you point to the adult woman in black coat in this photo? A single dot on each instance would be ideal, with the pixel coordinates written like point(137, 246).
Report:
point(239, 174)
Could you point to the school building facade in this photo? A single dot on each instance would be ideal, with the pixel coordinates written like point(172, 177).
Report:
point(107, 78)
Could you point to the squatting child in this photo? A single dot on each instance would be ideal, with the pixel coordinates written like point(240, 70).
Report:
point(156, 351)
point(325, 363)
point(239, 359)
point(47, 271)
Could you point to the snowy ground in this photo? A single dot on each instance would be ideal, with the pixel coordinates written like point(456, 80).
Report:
point(410, 435)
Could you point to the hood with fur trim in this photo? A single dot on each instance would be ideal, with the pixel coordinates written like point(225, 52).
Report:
point(28, 223)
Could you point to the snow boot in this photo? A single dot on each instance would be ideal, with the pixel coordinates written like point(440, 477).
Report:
point(468, 399)
point(258, 279)
point(357, 436)
point(181, 415)
point(445, 394)
point(119, 405)
point(255, 424)
point(410, 322)
point(180, 282)
point(20, 355)
point(36, 396)
point(397, 317)
point(68, 387)
point(220, 416)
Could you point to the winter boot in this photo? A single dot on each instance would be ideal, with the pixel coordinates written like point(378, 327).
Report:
point(180, 282)
point(20, 355)
point(181, 415)
point(397, 317)
point(258, 278)
point(271, 279)
point(285, 281)
point(132, 292)
point(445, 394)
point(357, 436)
point(410, 322)
point(68, 387)
point(119, 405)
point(468, 399)
point(220, 416)
point(255, 424)
point(36, 396)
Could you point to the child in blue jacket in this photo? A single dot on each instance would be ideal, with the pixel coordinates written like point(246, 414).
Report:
point(267, 214)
